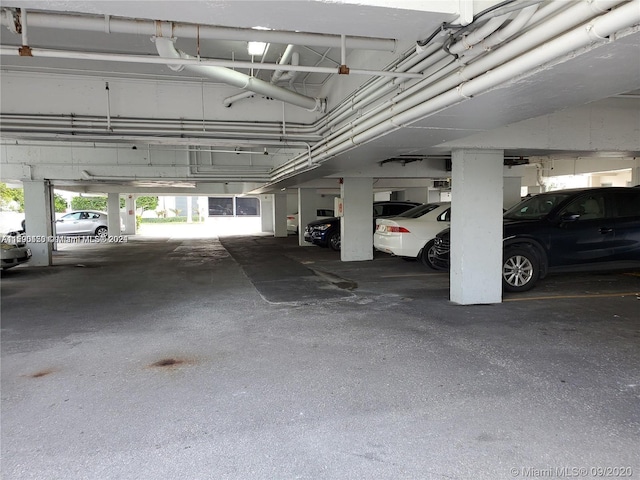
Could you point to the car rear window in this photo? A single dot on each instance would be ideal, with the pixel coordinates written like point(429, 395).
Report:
point(420, 210)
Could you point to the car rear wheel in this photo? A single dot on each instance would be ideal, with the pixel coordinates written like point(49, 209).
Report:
point(334, 241)
point(427, 255)
point(520, 269)
point(101, 232)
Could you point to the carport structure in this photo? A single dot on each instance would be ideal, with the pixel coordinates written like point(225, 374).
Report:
point(158, 97)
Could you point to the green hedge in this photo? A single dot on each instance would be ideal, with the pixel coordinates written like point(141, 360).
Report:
point(165, 220)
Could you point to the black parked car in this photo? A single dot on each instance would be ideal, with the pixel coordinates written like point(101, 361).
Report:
point(326, 232)
point(578, 229)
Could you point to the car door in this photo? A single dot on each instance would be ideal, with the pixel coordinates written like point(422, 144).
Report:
point(89, 223)
point(584, 232)
point(68, 224)
point(627, 224)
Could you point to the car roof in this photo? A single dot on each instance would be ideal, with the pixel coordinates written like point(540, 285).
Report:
point(90, 211)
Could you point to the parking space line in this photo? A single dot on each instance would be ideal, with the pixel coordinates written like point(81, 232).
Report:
point(408, 275)
point(562, 297)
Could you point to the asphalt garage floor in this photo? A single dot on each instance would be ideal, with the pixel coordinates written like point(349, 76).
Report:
point(254, 358)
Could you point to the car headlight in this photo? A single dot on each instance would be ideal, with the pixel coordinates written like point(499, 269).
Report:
point(8, 246)
point(323, 227)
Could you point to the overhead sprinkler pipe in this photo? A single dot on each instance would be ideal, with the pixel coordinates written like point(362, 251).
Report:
point(563, 34)
point(110, 24)
point(167, 49)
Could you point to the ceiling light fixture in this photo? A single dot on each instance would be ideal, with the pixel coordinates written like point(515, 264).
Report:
point(256, 48)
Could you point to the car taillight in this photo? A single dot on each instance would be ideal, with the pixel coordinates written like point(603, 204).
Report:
point(291, 218)
point(397, 229)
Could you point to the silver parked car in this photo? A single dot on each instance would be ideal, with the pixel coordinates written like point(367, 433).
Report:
point(84, 222)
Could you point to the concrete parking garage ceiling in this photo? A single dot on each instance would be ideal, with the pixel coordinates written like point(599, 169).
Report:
point(297, 148)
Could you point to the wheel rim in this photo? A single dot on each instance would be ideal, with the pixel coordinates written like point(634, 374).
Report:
point(335, 242)
point(517, 271)
point(102, 232)
point(431, 254)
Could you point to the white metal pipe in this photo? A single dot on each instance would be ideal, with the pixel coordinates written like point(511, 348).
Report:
point(620, 18)
point(515, 26)
point(426, 102)
point(426, 89)
point(145, 59)
point(378, 88)
point(108, 106)
point(227, 102)
point(166, 49)
point(150, 27)
point(283, 61)
point(23, 22)
point(478, 35)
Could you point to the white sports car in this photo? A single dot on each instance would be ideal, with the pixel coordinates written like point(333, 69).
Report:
point(410, 235)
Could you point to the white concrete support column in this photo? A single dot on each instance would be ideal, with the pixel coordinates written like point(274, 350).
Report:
point(267, 213)
point(280, 215)
point(113, 213)
point(417, 194)
point(512, 192)
point(39, 221)
point(635, 173)
point(433, 195)
point(476, 226)
point(356, 226)
point(307, 212)
point(130, 215)
point(189, 209)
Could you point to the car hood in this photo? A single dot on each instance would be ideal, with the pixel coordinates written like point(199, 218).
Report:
point(323, 221)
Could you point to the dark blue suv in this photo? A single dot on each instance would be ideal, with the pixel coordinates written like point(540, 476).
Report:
point(578, 229)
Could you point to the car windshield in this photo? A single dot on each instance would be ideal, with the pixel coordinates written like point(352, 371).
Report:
point(419, 211)
point(535, 207)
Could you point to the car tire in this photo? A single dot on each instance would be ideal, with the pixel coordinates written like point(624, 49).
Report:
point(427, 254)
point(520, 269)
point(334, 241)
point(101, 232)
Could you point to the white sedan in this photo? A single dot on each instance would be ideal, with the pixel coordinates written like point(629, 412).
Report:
point(411, 234)
point(14, 251)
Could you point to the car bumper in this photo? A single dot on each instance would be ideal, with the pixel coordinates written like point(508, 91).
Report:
point(11, 258)
point(399, 245)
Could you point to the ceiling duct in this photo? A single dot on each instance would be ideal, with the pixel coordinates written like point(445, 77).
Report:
point(166, 49)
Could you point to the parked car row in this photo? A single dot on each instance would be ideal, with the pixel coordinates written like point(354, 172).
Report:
point(292, 218)
point(326, 232)
point(79, 223)
point(576, 229)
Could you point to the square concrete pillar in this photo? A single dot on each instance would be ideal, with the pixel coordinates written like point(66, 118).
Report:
point(113, 213)
point(307, 212)
point(476, 226)
point(280, 215)
point(39, 221)
point(189, 209)
point(266, 213)
point(635, 173)
point(416, 194)
point(356, 226)
point(130, 215)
